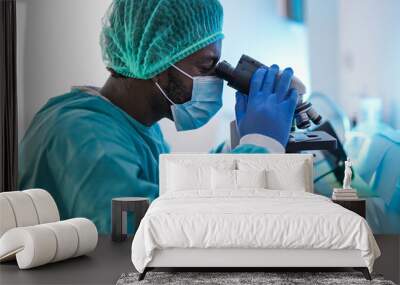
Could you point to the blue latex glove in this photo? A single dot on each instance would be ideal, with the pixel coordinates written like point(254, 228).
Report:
point(270, 106)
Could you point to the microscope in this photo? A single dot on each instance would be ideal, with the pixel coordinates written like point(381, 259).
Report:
point(239, 78)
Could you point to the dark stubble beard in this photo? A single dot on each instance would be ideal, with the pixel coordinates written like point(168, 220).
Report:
point(176, 91)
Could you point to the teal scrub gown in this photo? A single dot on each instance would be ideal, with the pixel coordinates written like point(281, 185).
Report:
point(85, 151)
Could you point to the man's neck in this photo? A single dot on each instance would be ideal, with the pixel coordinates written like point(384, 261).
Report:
point(135, 97)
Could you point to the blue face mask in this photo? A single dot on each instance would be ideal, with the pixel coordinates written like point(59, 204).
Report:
point(205, 103)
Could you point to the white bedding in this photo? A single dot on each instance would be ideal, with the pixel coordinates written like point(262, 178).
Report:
point(250, 218)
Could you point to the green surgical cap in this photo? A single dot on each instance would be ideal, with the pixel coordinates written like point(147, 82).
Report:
point(142, 38)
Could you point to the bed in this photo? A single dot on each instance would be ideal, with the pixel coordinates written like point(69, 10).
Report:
point(246, 211)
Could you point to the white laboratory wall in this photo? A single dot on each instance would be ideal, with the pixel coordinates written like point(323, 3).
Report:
point(323, 36)
point(354, 51)
point(58, 47)
point(370, 55)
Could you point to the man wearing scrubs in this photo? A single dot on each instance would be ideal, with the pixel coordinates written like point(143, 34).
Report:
point(93, 144)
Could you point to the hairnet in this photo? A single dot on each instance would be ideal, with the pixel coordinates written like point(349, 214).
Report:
point(142, 38)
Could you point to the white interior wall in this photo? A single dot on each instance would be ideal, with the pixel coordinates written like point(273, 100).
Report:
point(369, 53)
point(323, 37)
point(58, 48)
point(354, 53)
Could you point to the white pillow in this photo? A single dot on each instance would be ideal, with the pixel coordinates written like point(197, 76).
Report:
point(282, 174)
point(293, 181)
point(195, 174)
point(223, 179)
point(251, 178)
point(226, 179)
point(183, 178)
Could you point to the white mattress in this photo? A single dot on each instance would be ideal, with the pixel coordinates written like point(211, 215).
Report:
point(256, 219)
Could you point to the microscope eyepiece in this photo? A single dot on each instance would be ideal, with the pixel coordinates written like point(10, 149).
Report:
point(225, 71)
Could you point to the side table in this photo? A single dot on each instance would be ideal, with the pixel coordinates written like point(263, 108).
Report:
point(120, 207)
point(358, 206)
